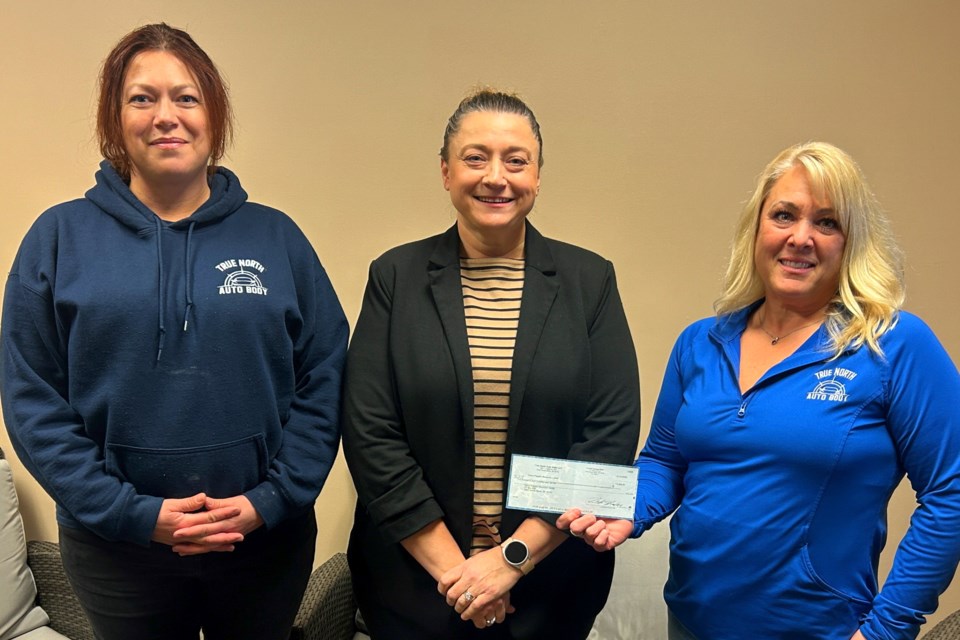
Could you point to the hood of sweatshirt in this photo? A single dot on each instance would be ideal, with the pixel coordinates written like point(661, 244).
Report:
point(113, 195)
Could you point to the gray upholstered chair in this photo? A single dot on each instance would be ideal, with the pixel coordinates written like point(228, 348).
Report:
point(54, 594)
point(946, 629)
point(328, 609)
point(37, 602)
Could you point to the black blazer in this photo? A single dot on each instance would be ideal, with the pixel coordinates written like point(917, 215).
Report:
point(408, 421)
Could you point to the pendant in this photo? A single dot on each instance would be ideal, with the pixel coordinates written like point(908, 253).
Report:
point(775, 341)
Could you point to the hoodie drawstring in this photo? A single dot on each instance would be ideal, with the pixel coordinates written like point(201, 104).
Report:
point(161, 289)
point(113, 196)
point(188, 277)
point(161, 298)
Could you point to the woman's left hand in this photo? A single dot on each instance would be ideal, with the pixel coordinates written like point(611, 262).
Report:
point(487, 578)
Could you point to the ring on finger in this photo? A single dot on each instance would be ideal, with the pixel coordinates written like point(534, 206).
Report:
point(576, 535)
point(468, 596)
point(491, 620)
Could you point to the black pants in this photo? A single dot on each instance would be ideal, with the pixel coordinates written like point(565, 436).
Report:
point(559, 600)
point(540, 625)
point(253, 592)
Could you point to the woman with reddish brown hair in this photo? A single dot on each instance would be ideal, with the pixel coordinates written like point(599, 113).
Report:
point(170, 367)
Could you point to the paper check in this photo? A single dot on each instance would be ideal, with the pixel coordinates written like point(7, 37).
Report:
point(554, 485)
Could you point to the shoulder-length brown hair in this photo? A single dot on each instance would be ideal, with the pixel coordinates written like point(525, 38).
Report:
point(160, 37)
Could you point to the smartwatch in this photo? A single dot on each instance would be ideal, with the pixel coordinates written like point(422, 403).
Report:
point(516, 554)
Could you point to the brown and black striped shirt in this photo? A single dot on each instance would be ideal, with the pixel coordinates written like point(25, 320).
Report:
point(492, 289)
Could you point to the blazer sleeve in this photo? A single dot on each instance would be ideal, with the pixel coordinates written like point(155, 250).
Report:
point(611, 428)
point(389, 481)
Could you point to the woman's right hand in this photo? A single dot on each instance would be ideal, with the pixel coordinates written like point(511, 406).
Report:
point(487, 578)
point(602, 534)
point(178, 513)
point(494, 613)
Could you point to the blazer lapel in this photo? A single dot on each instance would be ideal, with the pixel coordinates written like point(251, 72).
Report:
point(445, 287)
point(539, 292)
point(540, 288)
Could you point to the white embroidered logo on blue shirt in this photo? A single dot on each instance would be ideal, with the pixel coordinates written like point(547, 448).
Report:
point(828, 387)
point(244, 279)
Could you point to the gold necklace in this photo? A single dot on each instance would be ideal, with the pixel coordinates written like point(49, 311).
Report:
point(777, 339)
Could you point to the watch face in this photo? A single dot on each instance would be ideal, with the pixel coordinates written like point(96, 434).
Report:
point(515, 552)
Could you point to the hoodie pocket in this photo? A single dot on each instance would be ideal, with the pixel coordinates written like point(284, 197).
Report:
point(219, 470)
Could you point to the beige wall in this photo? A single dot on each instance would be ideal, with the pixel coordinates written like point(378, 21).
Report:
point(656, 119)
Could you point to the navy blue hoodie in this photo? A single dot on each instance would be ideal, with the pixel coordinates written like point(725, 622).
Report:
point(144, 360)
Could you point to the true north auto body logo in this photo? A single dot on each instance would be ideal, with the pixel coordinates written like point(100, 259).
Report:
point(243, 276)
point(830, 386)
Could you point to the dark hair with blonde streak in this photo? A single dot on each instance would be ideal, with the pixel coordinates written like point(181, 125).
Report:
point(497, 102)
point(871, 289)
point(160, 37)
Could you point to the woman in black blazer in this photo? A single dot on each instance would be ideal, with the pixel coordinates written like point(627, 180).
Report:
point(485, 341)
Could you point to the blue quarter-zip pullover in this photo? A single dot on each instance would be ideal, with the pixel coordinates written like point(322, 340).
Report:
point(783, 489)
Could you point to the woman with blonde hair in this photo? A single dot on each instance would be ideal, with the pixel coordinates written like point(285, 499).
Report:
point(785, 423)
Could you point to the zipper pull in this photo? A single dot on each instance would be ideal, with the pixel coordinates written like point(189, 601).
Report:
point(743, 409)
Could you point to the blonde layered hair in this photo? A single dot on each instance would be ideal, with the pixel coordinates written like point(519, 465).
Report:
point(871, 288)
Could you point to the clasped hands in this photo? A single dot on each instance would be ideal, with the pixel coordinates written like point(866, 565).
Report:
point(479, 588)
point(201, 524)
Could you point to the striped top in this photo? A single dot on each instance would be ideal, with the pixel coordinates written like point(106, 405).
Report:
point(492, 289)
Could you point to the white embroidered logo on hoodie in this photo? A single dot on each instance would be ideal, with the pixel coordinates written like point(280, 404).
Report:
point(242, 277)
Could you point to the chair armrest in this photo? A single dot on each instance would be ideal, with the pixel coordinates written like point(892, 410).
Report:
point(328, 607)
point(54, 593)
point(326, 612)
point(946, 629)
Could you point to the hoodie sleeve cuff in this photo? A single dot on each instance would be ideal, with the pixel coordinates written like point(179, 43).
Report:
point(141, 520)
point(270, 504)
